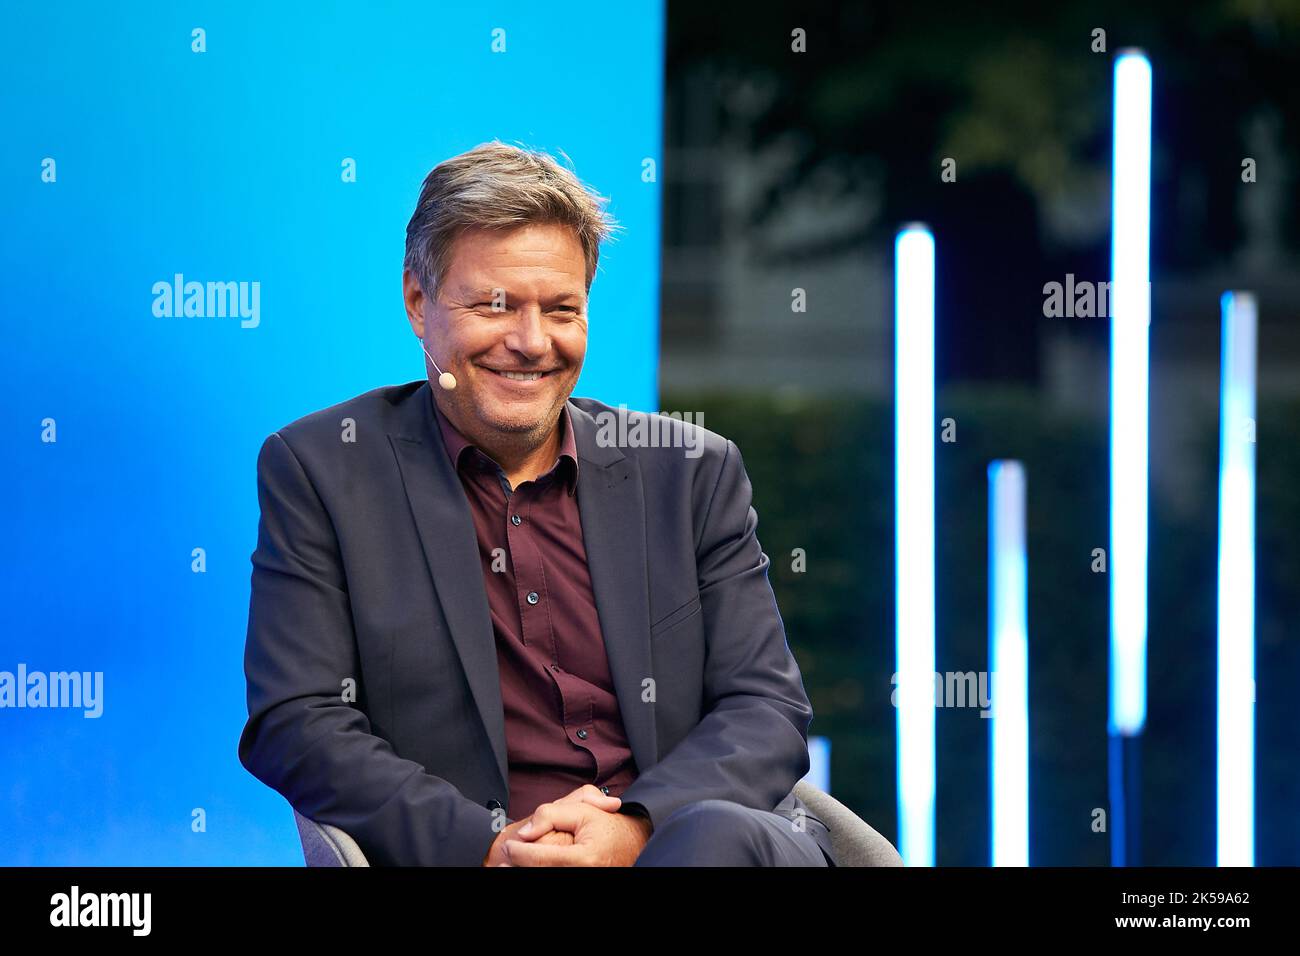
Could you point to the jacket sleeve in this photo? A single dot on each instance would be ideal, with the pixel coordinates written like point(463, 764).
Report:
point(751, 746)
point(303, 738)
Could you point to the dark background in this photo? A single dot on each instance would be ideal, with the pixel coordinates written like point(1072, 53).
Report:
point(785, 170)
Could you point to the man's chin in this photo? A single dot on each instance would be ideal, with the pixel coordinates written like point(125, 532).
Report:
point(520, 417)
point(520, 424)
point(515, 427)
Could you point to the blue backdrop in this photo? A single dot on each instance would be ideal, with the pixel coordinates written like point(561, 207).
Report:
point(130, 158)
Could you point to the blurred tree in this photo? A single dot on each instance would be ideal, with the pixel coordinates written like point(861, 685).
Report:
point(1015, 94)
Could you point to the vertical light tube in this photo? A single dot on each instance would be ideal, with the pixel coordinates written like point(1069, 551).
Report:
point(819, 763)
point(1009, 662)
point(1236, 611)
point(1130, 321)
point(914, 426)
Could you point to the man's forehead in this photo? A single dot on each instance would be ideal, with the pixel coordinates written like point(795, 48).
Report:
point(470, 289)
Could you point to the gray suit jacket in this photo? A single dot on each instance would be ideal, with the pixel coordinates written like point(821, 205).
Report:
point(373, 694)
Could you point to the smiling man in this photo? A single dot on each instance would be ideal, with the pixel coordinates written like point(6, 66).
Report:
point(480, 632)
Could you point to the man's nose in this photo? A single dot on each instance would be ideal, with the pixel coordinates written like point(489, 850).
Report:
point(528, 335)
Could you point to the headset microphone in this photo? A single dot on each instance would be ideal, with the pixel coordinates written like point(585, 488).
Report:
point(445, 379)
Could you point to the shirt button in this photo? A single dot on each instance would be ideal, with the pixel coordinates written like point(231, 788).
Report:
point(582, 733)
point(532, 597)
point(515, 519)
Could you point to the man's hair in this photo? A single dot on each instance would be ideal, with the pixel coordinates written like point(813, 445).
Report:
point(499, 186)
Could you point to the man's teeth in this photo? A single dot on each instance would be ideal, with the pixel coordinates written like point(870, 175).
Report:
point(522, 376)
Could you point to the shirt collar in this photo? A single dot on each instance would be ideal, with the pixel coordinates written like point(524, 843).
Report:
point(457, 444)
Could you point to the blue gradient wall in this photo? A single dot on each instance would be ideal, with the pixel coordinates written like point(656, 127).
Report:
point(226, 165)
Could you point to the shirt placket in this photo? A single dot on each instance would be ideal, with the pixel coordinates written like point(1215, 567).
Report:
point(536, 626)
point(530, 577)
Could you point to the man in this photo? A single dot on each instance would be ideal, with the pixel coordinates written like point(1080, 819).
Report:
point(480, 631)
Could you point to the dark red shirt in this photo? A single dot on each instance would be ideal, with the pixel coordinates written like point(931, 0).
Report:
point(563, 725)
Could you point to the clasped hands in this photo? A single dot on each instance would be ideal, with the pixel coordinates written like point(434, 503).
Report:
point(582, 828)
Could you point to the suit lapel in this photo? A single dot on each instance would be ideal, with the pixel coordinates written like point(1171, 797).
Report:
point(611, 503)
point(450, 545)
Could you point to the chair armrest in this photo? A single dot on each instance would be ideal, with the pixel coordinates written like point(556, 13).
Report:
point(852, 840)
point(326, 845)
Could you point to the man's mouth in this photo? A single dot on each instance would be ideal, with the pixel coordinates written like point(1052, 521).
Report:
point(521, 376)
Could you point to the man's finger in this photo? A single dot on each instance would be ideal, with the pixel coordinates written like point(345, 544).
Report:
point(557, 836)
point(589, 793)
point(553, 816)
point(520, 853)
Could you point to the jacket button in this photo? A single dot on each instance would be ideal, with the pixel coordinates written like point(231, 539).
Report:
point(493, 804)
point(604, 790)
point(582, 733)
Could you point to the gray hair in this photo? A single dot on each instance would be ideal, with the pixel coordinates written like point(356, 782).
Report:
point(499, 186)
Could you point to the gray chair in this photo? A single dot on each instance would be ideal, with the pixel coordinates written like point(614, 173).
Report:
point(852, 840)
point(326, 845)
point(854, 843)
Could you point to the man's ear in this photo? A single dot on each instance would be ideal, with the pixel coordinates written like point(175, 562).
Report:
point(413, 297)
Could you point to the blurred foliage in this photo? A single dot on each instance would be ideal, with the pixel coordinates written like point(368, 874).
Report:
point(886, 90)
point(822, 473)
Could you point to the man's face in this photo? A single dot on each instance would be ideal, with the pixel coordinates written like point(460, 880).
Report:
point(512, 302)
